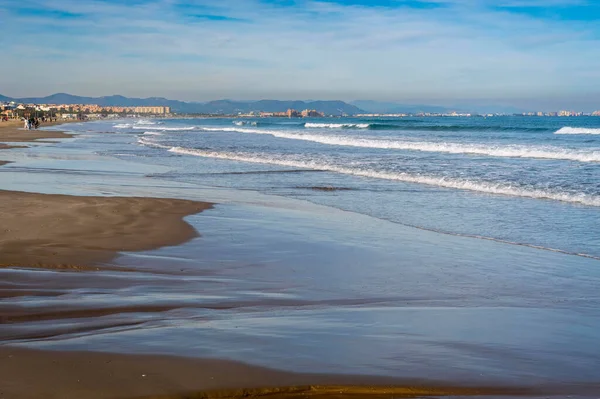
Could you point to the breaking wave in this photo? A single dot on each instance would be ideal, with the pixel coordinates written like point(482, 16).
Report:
point(245, 123)
point(174, 129)
point(451, 183)
point(122, 126)
point(338, 125)
point(423, 127)
point(512, 151)
point(147, 122)
point(577, 130)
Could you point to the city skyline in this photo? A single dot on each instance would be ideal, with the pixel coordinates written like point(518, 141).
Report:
point(528, 54)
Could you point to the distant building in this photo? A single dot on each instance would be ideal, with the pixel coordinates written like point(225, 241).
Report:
point(292, 113)
point(569, 113)
point(311, 113)
point(596, 113)
point(152, 110)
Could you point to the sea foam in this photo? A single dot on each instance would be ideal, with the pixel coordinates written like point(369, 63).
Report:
point(512, 151)
point(174, 129)
point(577, 130)
point(244, 123)
point(451, 183)
point(338, 125)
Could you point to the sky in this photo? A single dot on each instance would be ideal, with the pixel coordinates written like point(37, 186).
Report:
point(529, 53)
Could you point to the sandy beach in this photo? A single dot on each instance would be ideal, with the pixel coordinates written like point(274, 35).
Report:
point(61, 232)
point(92, 288)
point(67, 232)
point(12, 131)
point(58, 231)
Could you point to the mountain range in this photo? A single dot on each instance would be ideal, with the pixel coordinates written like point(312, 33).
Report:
point(212, 107)
point(229, 107)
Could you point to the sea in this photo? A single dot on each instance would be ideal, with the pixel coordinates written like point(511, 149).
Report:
point(453, 249)
point(524, 180)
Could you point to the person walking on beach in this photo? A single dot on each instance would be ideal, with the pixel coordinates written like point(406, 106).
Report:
point(26, 127)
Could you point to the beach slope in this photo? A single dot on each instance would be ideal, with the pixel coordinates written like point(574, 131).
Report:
point(60, 231)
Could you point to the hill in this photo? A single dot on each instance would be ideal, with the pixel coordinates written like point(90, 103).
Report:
point(212, 107)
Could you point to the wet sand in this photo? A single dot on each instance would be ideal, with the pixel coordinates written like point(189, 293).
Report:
point(59, 231)
point(46, 374)
point(13, 131)
point(84, 234)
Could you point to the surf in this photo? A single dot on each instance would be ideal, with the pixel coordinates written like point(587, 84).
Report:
point(513, 151)
point(166, 129)
point(577, 130)
point(337, 125)
point(485, 187)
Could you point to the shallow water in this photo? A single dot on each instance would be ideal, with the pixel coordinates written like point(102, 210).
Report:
point(522, 180)
point(284, 283)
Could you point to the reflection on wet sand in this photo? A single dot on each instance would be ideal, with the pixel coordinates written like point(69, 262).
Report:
point(273, 283)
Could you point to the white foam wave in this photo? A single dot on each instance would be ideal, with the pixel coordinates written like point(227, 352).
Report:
point(577, 130)
point(512, 151)
point(122, 126)
point(451, 183)
point(244, 123)
point(145, 122)
point(461, 184)
point(149, 143)
point(153, 133)
point(337, 125)
point(174, 129)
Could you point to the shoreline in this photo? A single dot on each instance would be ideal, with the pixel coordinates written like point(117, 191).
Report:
point(13, 132)
point(72, 232)
point(70, 374)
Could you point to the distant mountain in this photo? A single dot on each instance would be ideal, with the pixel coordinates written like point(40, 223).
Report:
point(109, 101)
point(212, 107)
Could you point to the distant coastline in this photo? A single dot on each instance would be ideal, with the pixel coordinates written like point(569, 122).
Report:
point(74, 107)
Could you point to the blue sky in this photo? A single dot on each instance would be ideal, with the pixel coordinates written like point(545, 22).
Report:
point(534, 53)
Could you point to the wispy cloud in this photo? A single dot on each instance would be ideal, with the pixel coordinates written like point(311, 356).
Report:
point(380, 49)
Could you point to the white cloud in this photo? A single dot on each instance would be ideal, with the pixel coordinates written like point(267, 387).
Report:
point(316, 50)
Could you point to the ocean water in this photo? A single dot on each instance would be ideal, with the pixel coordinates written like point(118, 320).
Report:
point(338, 246)
point(530, 181)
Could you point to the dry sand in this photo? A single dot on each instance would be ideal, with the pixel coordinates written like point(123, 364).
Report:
point(13, 131)
point(66, 231)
